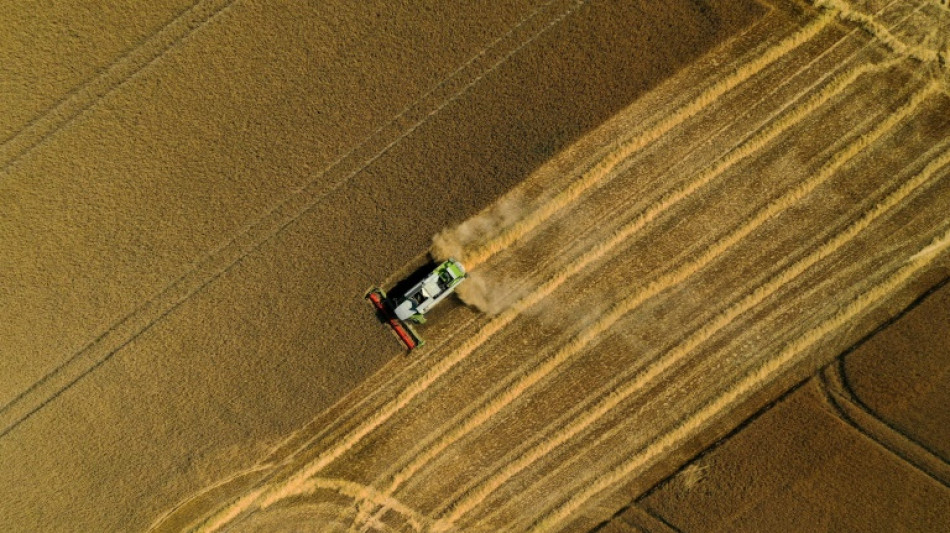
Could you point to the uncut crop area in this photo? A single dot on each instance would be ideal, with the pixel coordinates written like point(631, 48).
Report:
point(647, 289)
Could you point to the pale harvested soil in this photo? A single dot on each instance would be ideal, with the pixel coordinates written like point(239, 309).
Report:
point(651, 287)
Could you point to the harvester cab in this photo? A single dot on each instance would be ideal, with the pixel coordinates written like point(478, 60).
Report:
point(401, 311)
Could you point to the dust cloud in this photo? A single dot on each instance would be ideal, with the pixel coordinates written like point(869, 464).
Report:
point(458, 242)
point(488, 294)
point(482, 290)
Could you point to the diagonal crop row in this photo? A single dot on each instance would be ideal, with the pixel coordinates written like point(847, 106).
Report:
point(770, 211)
point(603, 169)
point(751, 382)
point(630, 383)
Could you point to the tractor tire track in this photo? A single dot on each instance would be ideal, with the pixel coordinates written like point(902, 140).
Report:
point(355, 490)
point(849, 408)
point(74, 103)
point(599, 173)
point(343, 487)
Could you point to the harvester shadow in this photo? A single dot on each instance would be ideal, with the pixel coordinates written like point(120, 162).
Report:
point(399, 290)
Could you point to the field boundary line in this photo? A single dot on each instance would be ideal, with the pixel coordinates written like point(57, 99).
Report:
point(493, 326)
point(603, 168)
point(244, 243)
point(752, 381)
point(849, 408)
point(230, 253)
point(90, 92)
point(763, 215)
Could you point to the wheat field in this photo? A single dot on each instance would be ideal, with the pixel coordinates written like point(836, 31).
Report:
point(710, 243)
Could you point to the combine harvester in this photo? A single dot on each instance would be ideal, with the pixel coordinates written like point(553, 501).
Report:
point(411, 307)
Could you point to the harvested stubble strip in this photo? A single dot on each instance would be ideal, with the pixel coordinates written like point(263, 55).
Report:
point(835, 87)
point(642, 380)
point(795, 195)
point(603, 169)
point(341, 486)
point(753, 381)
